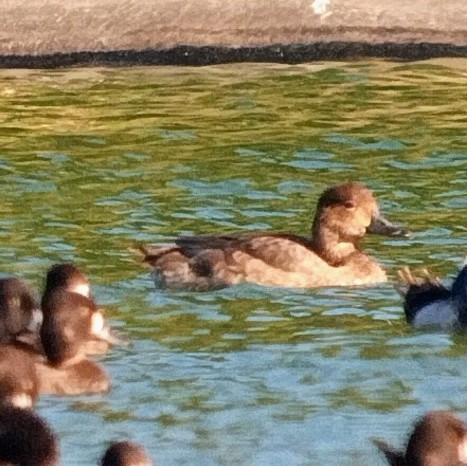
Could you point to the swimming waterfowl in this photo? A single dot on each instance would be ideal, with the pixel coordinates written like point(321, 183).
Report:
point(65, 276)
point(20, 319)
point(427, 302)
point(67, 293)
point(71, 320)
point(19, 384)
point(26, 439)
point(62, 366)
point(125, 453)
point(438, 439)
point(64, 370)
point(56, 361)
point(330, 257)
point(20, 314)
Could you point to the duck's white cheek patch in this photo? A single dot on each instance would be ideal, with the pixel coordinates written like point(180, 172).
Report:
point(82, 289)
point(97, 323)
point(98, 327)
point(21, 401)
point(36, 321)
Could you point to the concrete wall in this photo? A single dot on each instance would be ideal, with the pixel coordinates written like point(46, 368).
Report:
point(45, 33)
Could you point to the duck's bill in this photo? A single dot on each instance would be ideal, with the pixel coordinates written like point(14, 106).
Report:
point(381, 226)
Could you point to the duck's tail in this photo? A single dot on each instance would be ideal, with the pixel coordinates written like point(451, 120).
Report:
point(411, 283)
point(393, 456)
point(419, 291)
point(150, 254)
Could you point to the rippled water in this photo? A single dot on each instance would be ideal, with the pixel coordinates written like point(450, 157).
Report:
point(93, 161)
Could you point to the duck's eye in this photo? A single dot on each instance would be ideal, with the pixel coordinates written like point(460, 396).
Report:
point(349, 205)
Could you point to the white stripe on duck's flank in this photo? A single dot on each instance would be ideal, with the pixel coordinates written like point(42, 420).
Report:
point(320, 8)
point(438, 314)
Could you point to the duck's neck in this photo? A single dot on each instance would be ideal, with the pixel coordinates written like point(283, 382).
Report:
point(331, 247)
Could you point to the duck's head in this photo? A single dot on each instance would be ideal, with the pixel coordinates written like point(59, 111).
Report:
point(438, 438)
point(349, 211)
point(26, 439)
point(19, 309)
point(69, 277)
point(125, 453)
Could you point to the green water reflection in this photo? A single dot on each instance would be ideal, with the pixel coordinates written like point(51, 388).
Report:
point(94, 161)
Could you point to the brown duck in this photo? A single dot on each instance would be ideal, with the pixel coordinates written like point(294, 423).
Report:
point(438, 439)
point(330, 257)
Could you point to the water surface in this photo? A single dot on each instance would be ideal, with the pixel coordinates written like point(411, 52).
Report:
point(93, 161)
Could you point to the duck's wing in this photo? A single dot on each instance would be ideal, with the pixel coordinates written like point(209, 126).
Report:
point(191, 246)
point(393, 456)
point(291, 253)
